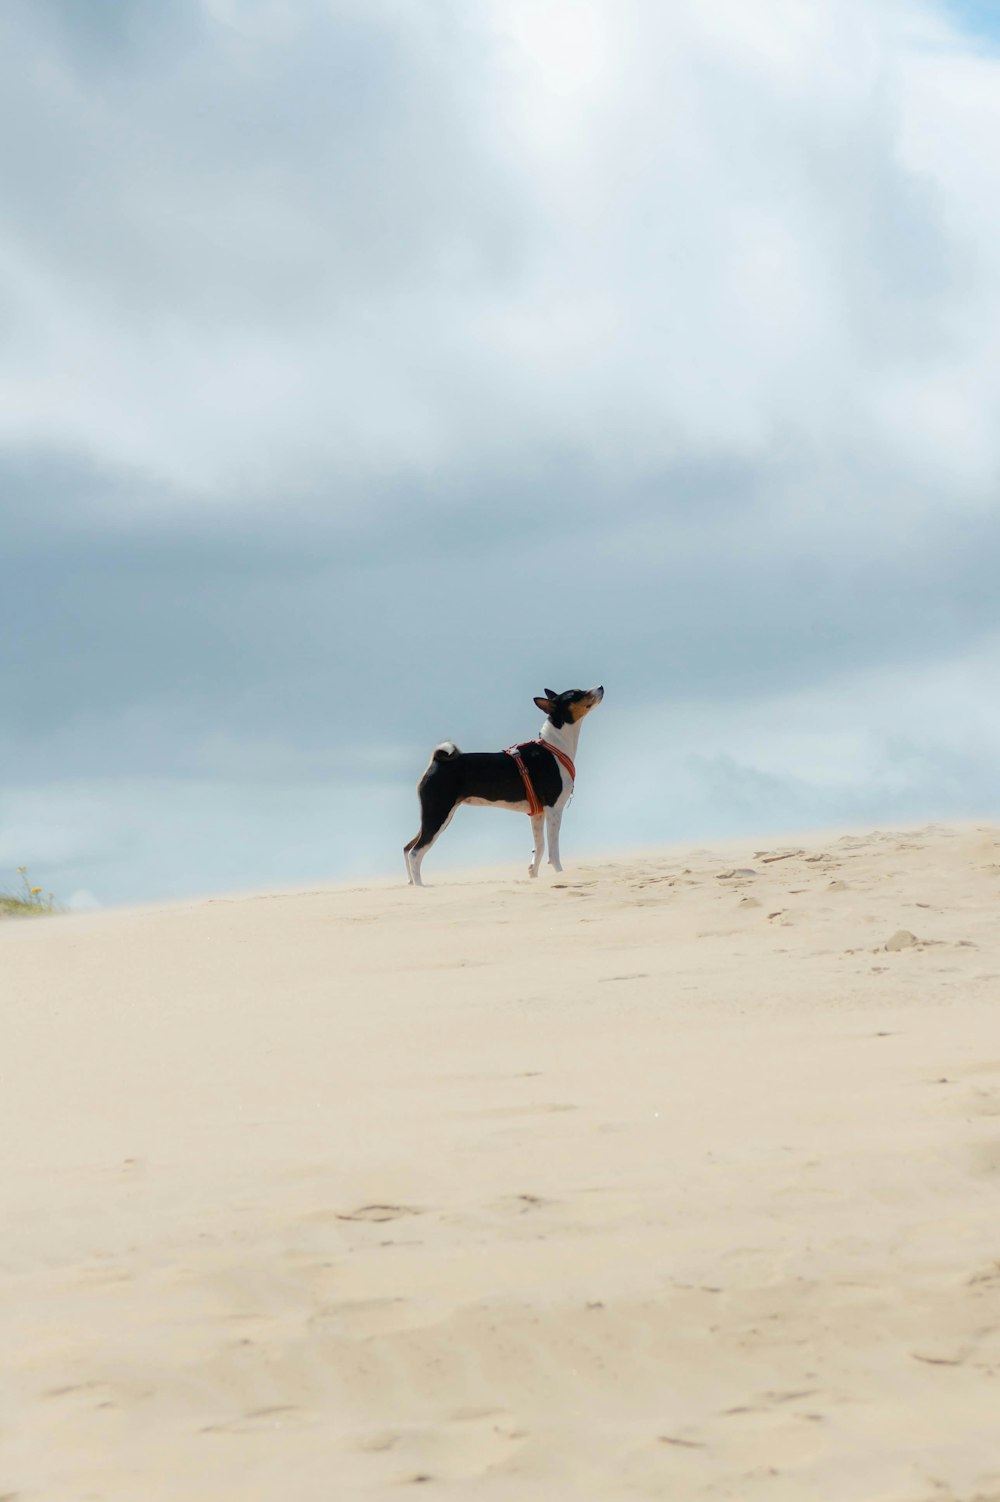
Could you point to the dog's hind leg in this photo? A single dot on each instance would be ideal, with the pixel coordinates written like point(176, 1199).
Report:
point(431, 826)
point(538, 836)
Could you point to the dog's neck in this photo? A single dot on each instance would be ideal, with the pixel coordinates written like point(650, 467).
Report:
point(564, 738)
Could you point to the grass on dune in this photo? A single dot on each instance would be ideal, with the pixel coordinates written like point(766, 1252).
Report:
point(27, 901)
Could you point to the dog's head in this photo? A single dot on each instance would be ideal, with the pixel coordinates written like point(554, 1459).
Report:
point(569, 706)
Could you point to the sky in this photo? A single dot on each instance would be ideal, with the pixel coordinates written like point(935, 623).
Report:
point(368, 366)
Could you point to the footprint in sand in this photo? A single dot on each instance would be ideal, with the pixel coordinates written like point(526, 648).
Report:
point(523, 1203)
point(988, 1276)
point(65, 1392)
point(256, 1419)
point(376, 1214)
point(957, 1360)
point(362, 1318)
point(986, 1158)
point(984, 1103)
point(466, 1450)
point(378, 1443)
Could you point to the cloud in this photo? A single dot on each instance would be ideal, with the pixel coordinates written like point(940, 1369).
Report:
point(338, 246)
point(365, 365)
point(880, 746)
point(131, 839)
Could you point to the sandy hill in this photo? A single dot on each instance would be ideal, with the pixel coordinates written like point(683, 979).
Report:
point(674, 1176)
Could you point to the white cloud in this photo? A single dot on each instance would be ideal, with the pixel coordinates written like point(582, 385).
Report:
point(917, 742)
point(738, 223)
point(364, 363)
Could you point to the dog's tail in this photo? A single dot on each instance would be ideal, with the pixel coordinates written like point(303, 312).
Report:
point(447, 751)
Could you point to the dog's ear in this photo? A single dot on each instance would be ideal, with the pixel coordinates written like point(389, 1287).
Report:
point(551, 693)
point(545, 704)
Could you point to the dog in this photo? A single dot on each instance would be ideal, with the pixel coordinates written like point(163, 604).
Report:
point(534, 778)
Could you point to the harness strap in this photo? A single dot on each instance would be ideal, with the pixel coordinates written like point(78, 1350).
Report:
point(560, 756)
point(535, 804)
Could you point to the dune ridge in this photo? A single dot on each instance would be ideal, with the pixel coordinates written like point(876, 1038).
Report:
point(674, 1175)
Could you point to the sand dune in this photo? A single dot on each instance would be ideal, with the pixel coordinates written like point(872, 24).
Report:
point(673, 1176)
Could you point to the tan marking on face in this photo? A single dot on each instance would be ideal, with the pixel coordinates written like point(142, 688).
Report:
point(583, 706)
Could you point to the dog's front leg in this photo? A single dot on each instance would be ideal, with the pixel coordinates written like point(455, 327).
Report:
point(538, 836)
point(553, 819)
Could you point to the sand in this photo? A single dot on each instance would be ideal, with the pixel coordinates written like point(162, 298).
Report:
point(673, 1176)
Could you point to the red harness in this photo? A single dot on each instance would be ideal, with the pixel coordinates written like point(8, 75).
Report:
point(534, 802)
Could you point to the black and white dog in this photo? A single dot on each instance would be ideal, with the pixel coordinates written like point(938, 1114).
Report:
point(535, 778)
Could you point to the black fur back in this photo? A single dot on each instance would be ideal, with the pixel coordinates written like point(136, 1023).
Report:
point(493, 775)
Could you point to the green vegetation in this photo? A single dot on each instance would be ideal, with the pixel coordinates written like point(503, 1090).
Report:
point(27, 901)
